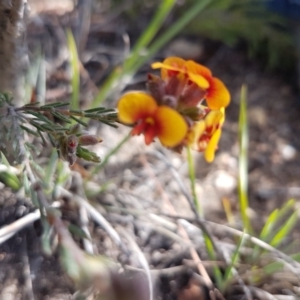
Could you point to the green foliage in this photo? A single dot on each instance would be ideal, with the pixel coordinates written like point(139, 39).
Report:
point(285, 229)
point(136, 59)
point(235, 258)
point(265, 33)
point(269, 231)
point(40, 121)
point(75, 68)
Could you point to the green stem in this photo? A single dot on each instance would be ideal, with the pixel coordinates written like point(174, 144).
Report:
point(193, 181)
point(108, 156)
point(243, 161)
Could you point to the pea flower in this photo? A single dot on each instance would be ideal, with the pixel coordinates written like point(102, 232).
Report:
point(204, 136)
point(141, 110)
point(173, 109)
point(216, 96)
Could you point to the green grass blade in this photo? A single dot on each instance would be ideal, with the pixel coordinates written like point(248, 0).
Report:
point(148, 35)
point(75, 70)
point(186, 18)
point(289, 205)
point(207, 238)
point(161, 13)
point(243, 161)
point(285, 229)
point(26, 184)
point(193, 180)
point(212, 255)
point(269, 225)
point(4, 160)
point(51, 168)
point(46, 236)
point(268, 230)
point(235, 257)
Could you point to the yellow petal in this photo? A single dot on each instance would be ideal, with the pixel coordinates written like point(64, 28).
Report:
point(222, 110)
point(209, 153)
point(217, 95)
point(213, 118)
point(134, 106)
point(198, 74)
point(170, 64)
point(195, 133)
point(199, 80)
point(172, 127)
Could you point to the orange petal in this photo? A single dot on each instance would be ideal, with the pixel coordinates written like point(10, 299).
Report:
point(134, 106)
point(198, 74)
point(209, 153)
point(172, 127)
point(195, 68)
point(170, 64)
point(217, 94)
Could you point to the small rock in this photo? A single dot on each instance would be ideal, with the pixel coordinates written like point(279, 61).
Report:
point(185, 49)
point(287, 152)
point(224, 182)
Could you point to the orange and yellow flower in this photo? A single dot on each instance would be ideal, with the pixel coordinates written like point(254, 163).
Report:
point(217, 95)
point(141, 110)
point(204, 136)
point(173, 112)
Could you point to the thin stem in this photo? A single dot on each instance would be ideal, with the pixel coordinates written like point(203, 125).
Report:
point(193, 181)
point(108, 156)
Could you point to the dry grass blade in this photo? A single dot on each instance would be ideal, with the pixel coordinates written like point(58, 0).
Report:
point(97, 217)
point(26, 271)
point(141, 258)
point(84, 219)
point(83, 24)
point(181, 229)
point(10, 230)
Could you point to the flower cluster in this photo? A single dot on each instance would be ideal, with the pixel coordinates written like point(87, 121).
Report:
point(185, 106)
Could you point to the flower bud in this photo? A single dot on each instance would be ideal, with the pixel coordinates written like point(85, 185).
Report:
point(156, 87)
point(72, 143)
point(89, 140)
